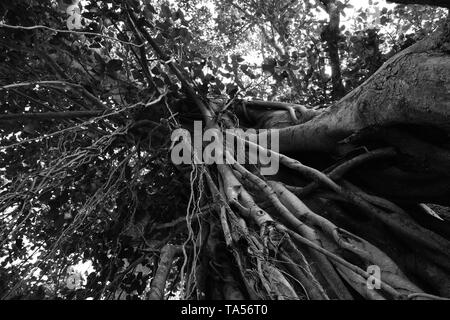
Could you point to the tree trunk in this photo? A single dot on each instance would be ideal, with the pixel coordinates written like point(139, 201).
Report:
point(403, 109)
point(168, 253)
point(412, 88)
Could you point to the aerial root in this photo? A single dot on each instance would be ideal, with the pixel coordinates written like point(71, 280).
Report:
point(327, 245)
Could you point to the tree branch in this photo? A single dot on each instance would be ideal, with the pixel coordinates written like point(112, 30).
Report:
point(50, 115)
point(438, 3)
point(331, 35)
point(206, 112)
point(168, 253)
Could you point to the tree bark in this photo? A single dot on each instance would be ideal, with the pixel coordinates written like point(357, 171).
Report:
point(168, 253)
point(331, 36)
point(411, 88)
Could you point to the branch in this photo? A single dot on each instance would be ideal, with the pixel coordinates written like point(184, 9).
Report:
point(397, 222)
point(3, 25)
point(207, 115)
point(330, 35)
point(57, 84)
point(306, 113)
point(50, 115)
point(343, 168)
point(438, 3)
point(168, 253)
point(142, 58)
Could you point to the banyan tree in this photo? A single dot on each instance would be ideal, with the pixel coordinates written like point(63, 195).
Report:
point(98, 96)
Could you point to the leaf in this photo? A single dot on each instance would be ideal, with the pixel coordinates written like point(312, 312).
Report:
point(165, 11)
point(185, 35)
point(282, 63)
point(114, 65)
point(150, 8)
point(239, 59)
point(158, 82)
point(98, 58)
point(231, 89)
point(148, 13)
point(220, 85)
point(270, 68)
point(155, 70)
point(123, 37)
point(198, 73)
point(179, 15)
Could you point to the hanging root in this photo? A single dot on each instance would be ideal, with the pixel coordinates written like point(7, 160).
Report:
point(326, 260)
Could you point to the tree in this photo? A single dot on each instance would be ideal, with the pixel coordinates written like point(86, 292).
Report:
point(93, 206)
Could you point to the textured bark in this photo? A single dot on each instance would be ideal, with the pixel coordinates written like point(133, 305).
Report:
point(168, 253)
point(412, 88)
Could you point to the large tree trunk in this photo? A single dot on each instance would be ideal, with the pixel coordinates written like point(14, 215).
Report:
point(406, 105)
point(412, 88)
point(314, 230)
point(404, 109)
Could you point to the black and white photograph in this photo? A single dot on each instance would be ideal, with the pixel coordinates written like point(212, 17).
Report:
point(219, 155)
